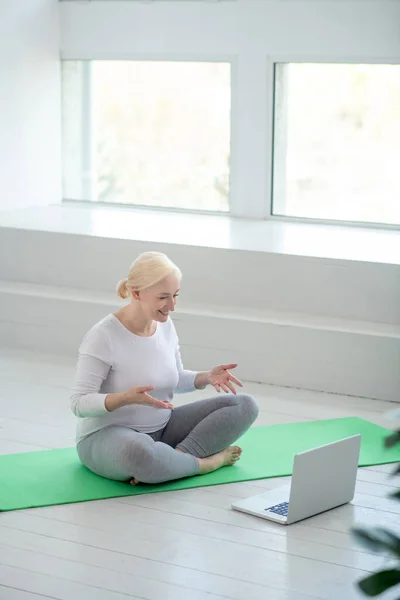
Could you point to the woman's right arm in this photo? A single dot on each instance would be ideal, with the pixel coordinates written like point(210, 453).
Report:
point(86, 399)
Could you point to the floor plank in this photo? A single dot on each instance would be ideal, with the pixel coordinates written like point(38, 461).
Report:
point(8, 593)
point(152, 562)
point(99, 577)
point(150, 526)
point(53, 587)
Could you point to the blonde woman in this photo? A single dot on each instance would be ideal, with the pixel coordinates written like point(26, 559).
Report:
point(128, 369)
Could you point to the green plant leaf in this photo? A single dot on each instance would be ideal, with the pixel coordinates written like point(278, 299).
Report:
point(378, 539)
point(392, 440)
point(376, 584)
point(395, 495)
point(396, 471)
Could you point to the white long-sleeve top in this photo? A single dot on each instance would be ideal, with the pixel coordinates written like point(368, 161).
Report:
point(112, 359)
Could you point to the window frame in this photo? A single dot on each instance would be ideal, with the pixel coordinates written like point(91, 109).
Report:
point(247, 84)
point(87, 151)
point(306, 59)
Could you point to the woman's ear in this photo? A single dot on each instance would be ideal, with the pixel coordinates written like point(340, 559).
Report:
point(135, 295)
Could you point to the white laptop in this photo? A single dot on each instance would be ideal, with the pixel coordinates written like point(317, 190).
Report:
point(323, 478)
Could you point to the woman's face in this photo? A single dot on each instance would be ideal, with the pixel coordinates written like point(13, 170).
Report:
point(160, 299)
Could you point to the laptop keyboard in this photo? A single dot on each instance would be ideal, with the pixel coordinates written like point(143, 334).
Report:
point(279, 509)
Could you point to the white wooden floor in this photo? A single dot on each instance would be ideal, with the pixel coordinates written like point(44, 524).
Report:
point(186, 545)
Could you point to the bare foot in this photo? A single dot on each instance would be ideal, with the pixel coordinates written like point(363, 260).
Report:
point(222, 459)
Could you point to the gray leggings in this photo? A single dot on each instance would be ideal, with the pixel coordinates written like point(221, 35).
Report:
point(199, 429)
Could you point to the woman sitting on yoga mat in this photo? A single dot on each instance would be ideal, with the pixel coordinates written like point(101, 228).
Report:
point(128, 369)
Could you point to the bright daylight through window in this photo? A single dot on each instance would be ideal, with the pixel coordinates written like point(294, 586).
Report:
point(147, 133)
point(337, 142)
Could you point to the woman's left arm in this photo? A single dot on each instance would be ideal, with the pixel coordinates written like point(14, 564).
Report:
point(219, 377)
point(202, 380)
point(188, 380)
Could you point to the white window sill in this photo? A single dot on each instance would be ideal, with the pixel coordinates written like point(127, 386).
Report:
point(216, 231)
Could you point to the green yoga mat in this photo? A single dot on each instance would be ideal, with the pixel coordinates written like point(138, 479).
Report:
point(50, 477)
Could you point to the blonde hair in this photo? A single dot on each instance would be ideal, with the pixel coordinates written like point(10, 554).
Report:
point(147, 270)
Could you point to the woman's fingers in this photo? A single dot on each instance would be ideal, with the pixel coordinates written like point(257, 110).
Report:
point(230, 386)
point(149, 400)
point(235, 380)
point(229, 377)
point(167, 404)
point(156, 403)
point(227, 385)
point(230, 366)
point(143, 390)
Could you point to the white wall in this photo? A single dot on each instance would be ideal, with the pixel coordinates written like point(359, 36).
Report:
point(321, 28)
point(250, 33)
point(30, 171)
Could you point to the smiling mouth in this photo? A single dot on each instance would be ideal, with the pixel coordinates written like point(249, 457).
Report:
point(163, 313)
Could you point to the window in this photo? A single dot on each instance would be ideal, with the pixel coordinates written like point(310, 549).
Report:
point(158, 133)
point(337, 142)
point(147, 133)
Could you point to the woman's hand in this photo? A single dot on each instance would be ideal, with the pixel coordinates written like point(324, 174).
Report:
point(136, 395)
point(139, 395)
point(221, 378)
